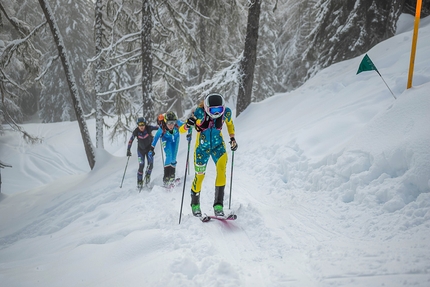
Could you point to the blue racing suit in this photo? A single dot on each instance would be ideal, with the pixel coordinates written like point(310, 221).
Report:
point(169, 141)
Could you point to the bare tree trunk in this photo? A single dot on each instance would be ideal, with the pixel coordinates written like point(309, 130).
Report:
point(147, 60)
point(247, 64)
point(97, 85)
point(202, 37)
point(89, 149)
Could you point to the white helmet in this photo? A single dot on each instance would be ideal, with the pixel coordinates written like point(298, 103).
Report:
point(214, 105)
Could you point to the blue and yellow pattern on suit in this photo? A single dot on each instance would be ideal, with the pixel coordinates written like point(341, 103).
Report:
point(210, 143)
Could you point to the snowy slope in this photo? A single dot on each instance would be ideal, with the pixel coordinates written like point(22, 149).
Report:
point(331, 188)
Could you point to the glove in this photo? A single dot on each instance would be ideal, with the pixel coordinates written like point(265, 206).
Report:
point(191, 121)
point(188, 137)
point(128, 152)
point(233, 144)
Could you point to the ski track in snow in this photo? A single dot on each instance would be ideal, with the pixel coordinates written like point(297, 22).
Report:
point(282, 237)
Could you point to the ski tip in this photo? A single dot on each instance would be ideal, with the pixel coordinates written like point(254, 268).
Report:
point(145, 187)
point(205, 218)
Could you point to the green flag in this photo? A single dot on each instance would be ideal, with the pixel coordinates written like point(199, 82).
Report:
point(366, 65)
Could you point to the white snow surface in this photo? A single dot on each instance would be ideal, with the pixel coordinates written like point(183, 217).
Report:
point(331, 186)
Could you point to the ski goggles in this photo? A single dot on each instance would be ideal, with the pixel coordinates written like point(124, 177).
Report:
point(170, 123)
point(216, 110)
point(141, 124)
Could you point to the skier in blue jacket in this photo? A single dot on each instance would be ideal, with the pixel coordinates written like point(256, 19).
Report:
point(168, 132)
point(208, 119)
point(144, 140)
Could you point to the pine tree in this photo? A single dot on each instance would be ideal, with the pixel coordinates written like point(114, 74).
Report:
point(75, 21)
point(19, 66)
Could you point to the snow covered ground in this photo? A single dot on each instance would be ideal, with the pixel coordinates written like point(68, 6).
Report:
point(331, 187)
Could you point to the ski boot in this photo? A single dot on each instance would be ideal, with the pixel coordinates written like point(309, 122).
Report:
point(218, 210)
point(139, 183)
point(195, 204)
point(218, 201)
point(147, 178)
point(169, 176)
point(195, 208)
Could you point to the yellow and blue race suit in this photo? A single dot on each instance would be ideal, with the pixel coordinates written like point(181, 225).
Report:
point(210, 143)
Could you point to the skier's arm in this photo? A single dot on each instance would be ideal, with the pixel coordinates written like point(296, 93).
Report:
point(150, 129)
point(188, 124)
point(229, 122)
point(191, 120)
point(230, 128)
point(155, 128)
point(130, 142)
point(182, 127)
point(156, 137)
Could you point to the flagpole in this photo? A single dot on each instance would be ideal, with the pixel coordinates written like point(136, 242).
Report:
point(367, 65)
point(414, 42)
point(386, 84)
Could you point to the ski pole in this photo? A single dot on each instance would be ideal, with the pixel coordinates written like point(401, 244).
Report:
point(124, 172)
point(161, 151)
point(188, 161)
point(190, 131)
point(231, 178)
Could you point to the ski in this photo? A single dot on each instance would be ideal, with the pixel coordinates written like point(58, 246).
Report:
point(139, 187)
point(146, 181)
point(203, 217)
point(147, 187)
point(173, 184)
point(206, 218)
point(231, 216)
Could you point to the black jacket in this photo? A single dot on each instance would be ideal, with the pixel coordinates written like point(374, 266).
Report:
point(144, 139)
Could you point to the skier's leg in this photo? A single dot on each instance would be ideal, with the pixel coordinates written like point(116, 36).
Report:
point(166, 175)
point(221, 178)
point(195, 203)
point(141, 161)
point(219, 200)
point(201, 158)
point(149, 169)
point(221, 170)
point(169, 163)
point(173, 172)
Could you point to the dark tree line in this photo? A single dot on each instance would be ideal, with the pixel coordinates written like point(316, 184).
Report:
point(143, 57)
point(197, 47)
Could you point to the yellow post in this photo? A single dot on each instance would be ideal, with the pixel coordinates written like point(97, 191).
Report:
point(414, 42)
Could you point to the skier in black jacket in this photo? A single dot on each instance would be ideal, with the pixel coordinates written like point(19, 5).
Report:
point(144, 140)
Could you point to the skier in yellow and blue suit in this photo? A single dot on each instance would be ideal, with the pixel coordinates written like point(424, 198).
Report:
point(208, 119)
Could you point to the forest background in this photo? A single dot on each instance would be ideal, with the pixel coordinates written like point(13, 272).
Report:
point(195, 46)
